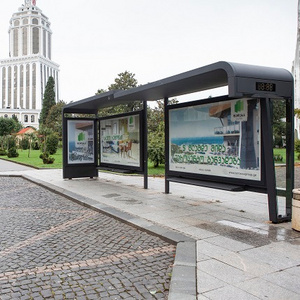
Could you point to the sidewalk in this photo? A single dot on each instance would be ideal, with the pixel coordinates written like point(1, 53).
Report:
point(240, 255)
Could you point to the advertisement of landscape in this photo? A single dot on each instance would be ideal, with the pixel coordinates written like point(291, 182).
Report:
point(217, 139)
point(120, 141)
point(81, 141)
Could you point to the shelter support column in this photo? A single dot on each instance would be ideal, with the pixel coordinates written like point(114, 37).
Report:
point(167, 183)
point(145, 144)
point(267, 146)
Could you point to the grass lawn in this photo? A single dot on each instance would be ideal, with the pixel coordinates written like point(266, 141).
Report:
point(282, 152)
point(34, 159)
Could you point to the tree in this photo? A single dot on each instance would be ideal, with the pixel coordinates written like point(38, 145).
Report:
point(48, 101)
point(125, 80)
point(279, 126)
point(54, 118)
point(8, 126)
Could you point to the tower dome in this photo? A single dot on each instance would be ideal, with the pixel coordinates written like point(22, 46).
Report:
point(29, 32)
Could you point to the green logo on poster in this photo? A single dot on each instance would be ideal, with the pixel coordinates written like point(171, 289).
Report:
point(239, 106)
point(81, 137)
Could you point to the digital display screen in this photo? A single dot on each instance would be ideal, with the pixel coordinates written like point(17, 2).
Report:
point(265, 87)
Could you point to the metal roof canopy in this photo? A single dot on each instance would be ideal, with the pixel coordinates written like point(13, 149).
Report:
point(240, 78)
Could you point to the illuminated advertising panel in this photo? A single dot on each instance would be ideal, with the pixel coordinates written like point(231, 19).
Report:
point(216, 139)
point(120, 141)
point(81, 142)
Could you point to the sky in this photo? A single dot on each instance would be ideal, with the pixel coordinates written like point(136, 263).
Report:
point(95, 40)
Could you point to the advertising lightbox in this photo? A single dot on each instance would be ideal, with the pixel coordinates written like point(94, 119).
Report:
point(81, 142)
point(120, 141)
point(216, 139)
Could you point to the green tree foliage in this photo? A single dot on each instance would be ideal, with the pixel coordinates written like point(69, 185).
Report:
point(279, 125)
point(125, 80)
point(48, 101)
point(52, 143)
point(8, 126)
point(156, 145)
point(297, 112)
point(156, 133)
point(54, 118)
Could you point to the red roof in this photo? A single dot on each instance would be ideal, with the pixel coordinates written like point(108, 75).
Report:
point(24, 130)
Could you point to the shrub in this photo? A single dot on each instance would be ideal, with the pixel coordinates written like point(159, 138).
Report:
point(24, 143)
point(3, 152)
point(278, 158)
point(12, 152)
point(52, 144)
point(297, 146)
point(46, 158)
point(156, 151)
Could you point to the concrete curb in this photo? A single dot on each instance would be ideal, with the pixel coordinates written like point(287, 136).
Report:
point(183, 282)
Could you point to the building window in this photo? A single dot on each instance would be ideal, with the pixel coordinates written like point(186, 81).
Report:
point(35, 40)
point(5, 116)
point(34, 86)
point(35, 21)
point(27, 86)
point(16, 23)
point(16, 42)
point(49, 46)
point(9, 88)
point(3, 86)
point(25, 21)
point(25, 118)
point(32, 118)
point(21, 86)
point(15, 87)
point(25, 41)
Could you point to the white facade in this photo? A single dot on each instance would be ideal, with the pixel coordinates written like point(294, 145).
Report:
point(296, 73)
point(25, 73)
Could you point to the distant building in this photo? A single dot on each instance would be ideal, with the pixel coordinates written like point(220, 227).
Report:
point(25, 73)
point(296, 73)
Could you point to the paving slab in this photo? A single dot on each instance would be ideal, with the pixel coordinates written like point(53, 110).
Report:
point(239, 253)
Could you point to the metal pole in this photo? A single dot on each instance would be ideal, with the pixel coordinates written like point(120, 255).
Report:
point(145, 145)
point(167, 183)
point(269, 169)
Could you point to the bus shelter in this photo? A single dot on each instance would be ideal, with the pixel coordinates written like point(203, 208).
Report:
point(223, 143)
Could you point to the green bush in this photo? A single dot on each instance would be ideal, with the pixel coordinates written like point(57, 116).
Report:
point(52, 144)
point(297, 146)
point(46, 158)
point(12, 152)
point(24, 143)
point(3, 152)
point(156, 151)
point(278, 158)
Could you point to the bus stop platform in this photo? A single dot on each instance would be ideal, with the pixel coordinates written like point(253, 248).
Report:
point(226, 247)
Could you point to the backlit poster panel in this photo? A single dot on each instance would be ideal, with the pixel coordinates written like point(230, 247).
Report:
point(216, 139)
point(120, 141)
point(81, 141)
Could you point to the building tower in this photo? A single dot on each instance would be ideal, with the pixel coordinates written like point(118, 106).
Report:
point(25, 73)
point(296, 73)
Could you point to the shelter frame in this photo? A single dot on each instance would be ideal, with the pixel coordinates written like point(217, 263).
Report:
point(243, 81)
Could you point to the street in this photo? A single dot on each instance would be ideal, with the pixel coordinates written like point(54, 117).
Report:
point(53, 248)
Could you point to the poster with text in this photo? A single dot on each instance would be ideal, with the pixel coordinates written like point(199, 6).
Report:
point(120, 141)
point(217, 139)
point(81, 142)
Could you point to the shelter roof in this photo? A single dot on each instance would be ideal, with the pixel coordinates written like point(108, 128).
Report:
point(241, 80)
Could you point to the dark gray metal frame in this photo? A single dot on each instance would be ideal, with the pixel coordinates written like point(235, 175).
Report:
point(242, 81)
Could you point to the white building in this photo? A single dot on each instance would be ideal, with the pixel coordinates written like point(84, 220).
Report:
point(25, 73)
point(296, 73)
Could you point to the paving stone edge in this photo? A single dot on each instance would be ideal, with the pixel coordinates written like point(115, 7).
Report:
point(183, 282)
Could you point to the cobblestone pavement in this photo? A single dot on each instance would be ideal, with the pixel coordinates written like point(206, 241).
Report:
point(52, 248)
